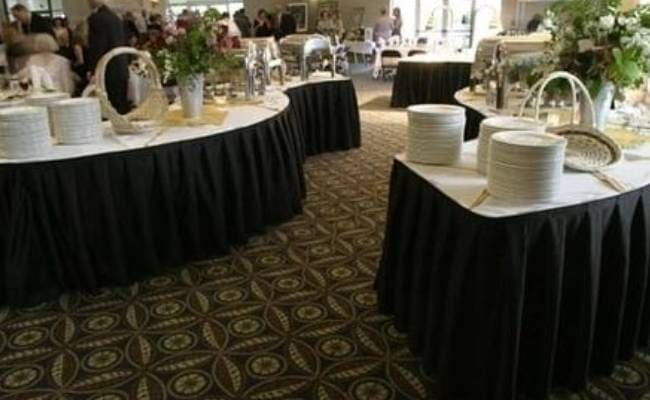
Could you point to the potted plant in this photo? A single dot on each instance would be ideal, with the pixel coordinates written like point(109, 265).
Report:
point(606, 47)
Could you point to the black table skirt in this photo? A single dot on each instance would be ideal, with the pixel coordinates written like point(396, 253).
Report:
point(423, 83)
point(328, 115)
point(83, 224)
point(500, 307)
point(473, 126)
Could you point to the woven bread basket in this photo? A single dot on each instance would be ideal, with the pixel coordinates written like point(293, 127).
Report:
point(589, 150)
point(150, 114)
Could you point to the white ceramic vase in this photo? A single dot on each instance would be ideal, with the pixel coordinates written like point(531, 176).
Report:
point(191, 91)
point(602, 106)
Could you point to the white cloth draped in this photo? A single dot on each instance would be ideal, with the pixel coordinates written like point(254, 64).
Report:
point(463, 184)
point(58, 69)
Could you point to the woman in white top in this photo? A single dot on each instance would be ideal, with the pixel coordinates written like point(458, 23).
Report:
point(325, 24)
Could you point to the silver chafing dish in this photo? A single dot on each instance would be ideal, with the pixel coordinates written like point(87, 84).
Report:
point(268, 57)
point(518, 46)
point(244, 78)
point(306, 53)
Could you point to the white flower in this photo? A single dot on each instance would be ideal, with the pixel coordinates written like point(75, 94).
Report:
point(607, 22)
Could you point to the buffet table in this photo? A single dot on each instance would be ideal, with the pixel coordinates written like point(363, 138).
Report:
point(423, 79)
point(327, 114)
point(405, 51)
point(514, 299)
point(86, 217)
point(478, 110)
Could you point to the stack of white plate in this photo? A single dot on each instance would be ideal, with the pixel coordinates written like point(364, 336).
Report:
point(526, 166)
point(24, 132)
point(77, 121)
point(435, 134)
point(45, 99)
point(490, 126)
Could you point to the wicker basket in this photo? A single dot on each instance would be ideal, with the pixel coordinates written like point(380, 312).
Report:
point(589, 150)
point(150, 114)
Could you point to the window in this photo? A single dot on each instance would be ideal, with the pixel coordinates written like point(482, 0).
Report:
point(230, 6)
point(47, 8)
point(431, 17)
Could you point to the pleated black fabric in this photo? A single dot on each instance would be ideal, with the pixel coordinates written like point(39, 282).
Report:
point(328, 115)
point(473, 126)
point(422, 83)
point(515, 306)
point(113, 219)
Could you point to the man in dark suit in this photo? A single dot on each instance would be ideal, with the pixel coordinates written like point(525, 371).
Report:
point(30, 22)
point(285, 23)
point(106, 31)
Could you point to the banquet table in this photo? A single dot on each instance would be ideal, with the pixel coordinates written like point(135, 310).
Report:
point(477, 109)
point(357, 48)
point(425, 78)
point(511, 299)
point(403, 50)
point(85, 217)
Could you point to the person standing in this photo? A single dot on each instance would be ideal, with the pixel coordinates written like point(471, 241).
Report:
point(31, 22)
point(262, 25)
point(132, 31)
point(106, 32)
point(383, 26)
point(285, 23)
point(397, 22)
point(243, 23)
point(325, 25)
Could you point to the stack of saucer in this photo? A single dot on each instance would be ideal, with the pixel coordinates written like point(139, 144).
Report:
point(45, 99)
point(24, 132)
point(490, 126)
point(526, 166)
point(435, 134)
point(77, 121)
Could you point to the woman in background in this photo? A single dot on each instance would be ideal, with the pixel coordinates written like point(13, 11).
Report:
point(63, 36)
point(397, 22)
point(325, 23)
point(262, 26)
point(79, 49)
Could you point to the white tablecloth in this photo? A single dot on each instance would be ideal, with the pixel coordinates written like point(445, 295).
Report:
point(275, 102)
point(431, 58)
point(440, 58)
point(57, 67)
point(238, 117)
point(360, 47)
point(463, 184)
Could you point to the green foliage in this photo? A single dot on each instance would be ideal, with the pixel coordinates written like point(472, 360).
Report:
point(596, 41)
point(194, 50)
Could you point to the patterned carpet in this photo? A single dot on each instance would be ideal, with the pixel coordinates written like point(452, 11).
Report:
point(292, 315)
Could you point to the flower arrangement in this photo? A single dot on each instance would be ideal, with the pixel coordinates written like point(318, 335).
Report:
point(198, 47)
point(598, 42)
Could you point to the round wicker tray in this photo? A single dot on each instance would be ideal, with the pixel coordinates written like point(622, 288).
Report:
point(588, 149)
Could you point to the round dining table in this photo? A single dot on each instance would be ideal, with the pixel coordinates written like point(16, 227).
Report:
point(430, 78)
point(81, 218)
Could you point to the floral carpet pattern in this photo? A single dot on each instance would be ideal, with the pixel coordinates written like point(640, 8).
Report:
point(292, 315)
